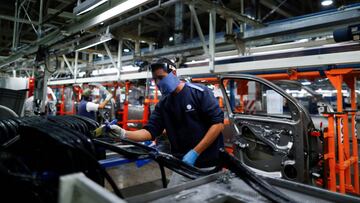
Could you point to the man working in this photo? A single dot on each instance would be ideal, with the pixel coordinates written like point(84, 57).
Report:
point(191, 116)
point(88, 108)
point(50, 104)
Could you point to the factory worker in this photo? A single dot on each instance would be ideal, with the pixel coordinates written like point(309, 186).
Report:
point(50, 104)
point(88, 108)
point(191, 116)
point(96, 95)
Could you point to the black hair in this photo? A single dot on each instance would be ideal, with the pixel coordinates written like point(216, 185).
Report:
point(163, 63)
point(86, 98)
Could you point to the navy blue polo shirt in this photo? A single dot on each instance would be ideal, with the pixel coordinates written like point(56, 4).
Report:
point(187, 116)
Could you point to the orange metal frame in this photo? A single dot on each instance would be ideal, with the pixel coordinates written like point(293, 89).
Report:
point(61, 106)
point(125, 113)
point(340, 177)
point(31, 86)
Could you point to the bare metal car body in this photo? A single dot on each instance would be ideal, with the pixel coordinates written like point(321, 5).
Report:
point(273, 145)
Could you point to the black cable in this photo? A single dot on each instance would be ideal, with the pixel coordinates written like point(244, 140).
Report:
point(164, 159)
point(252, 179)
point(163, 175)
point(62, 136)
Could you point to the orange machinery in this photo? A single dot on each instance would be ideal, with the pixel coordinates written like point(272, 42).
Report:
point(61, 104)
point(146, 113)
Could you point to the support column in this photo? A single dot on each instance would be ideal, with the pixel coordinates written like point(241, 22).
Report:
point(242, 25)
point(137, 47)
point(40, 18)
point(120, 49)
point(179, 13)
point(351, 83)
point(229, 26)
point(336, 77)
point(76, 66)
point(191, 26)
point(151, 46)
point(212, 33)
point(14, 45)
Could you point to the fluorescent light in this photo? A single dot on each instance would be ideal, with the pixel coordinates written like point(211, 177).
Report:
point(87, 5)
point(327, 2)
point(302, 40)
point(94, 42)
point(126, 50)
point(306, 83)
point(118, 9)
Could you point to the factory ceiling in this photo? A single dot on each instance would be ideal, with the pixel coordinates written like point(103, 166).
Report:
point(161, 26)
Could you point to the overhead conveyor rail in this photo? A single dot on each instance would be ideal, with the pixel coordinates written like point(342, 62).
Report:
point(346, 53)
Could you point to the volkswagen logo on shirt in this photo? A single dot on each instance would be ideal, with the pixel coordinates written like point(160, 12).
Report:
point(189, 108)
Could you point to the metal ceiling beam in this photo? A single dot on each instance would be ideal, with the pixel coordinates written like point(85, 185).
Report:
point(198, 28)
point(193, 51)
point(64, 1)
point(63, 14)
point(85, 23)
point(271, 5)
point(327, 21)
point(11, 18)
point(205, 5)
point(68, 64)
point(272, 64)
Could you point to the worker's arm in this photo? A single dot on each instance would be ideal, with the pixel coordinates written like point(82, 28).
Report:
point(152, 129)
point(211, 110)
point(138, 135)
point(211, 135)
point(103, 104)
point(108, 95)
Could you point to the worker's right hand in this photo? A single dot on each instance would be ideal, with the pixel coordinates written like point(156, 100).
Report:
point(117, 131)
point(108, 97)
point(190, 157)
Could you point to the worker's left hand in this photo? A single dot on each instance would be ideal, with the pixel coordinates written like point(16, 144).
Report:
point(190, 157)
point(117, 131)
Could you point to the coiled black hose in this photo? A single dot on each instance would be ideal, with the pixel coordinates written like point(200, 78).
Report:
point(36, 151)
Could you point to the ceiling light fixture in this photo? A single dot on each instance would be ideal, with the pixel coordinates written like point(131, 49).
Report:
point(306, 83)
point(95, 41)
point(327, 2)
point(87, 5)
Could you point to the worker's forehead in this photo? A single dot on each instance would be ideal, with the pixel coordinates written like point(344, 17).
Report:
point(159, 71)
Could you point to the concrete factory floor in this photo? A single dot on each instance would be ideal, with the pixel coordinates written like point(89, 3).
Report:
point(134, 181)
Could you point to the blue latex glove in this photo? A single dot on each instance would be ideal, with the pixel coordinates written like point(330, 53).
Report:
point(190, 157)
point(107, 125)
